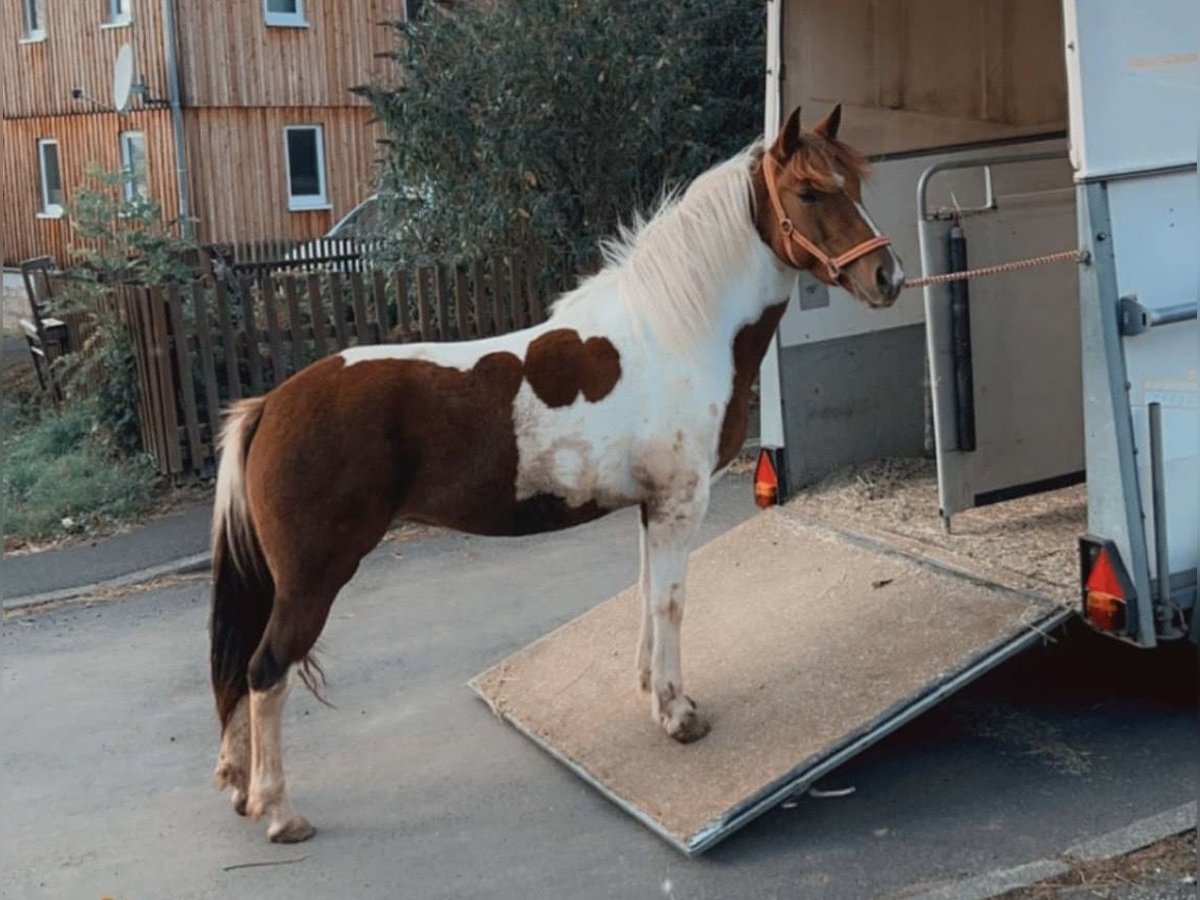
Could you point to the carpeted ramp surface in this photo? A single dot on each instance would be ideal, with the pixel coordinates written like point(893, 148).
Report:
point(799, 642)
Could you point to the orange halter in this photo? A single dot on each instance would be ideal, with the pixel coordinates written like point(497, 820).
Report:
point(833, 264)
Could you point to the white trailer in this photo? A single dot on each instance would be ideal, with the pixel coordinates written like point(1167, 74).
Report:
point(958, 475)
point(1001, 132)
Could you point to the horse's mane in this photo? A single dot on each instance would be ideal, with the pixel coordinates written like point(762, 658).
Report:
point(668, 268)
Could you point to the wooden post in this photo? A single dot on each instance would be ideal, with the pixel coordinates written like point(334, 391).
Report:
point(478, 306)
point(361, 331)
point(338, 297)
point(460, 302)
point(499, 320)
point(183, 370)
point(212, 397)
point(443, 324)
point(520, 320)
point(295, 324)
point(232, 370)
point(423, 302)
point(379, 293)
point(278, 368)
point(250, 333)
point(402, 320)
point(317, 306)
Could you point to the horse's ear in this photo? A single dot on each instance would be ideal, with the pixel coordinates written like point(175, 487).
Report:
point(828, 127)
point(788, 139)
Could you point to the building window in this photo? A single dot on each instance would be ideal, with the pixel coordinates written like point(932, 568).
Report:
point(133, 165)
point(305, 150)
point(51, 178)
point(284, 13)
point(34, 23)
point(120, 12)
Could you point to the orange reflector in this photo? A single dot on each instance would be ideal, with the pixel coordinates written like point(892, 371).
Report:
point(1103, 578)
point(766, 481)
point(1104, 611)
point(1104, 596)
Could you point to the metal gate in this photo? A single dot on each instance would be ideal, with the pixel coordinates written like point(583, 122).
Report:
point(1004, 351)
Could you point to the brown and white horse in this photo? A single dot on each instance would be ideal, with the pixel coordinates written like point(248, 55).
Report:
point(633, 393)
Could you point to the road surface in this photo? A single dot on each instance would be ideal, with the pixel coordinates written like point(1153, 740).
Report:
point(417, 791)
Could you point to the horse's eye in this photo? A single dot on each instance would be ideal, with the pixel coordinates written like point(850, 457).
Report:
point(808, 195)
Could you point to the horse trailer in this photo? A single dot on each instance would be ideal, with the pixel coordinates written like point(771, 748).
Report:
point(948, 480)
point(1061, 137)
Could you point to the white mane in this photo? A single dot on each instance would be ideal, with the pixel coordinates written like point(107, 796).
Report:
point(668, 270)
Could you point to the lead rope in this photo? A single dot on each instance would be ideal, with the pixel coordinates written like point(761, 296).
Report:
point(1076, 256)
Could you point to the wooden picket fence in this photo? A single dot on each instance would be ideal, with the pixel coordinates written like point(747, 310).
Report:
point(199, 347)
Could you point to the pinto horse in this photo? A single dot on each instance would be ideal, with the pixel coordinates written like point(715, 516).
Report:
point(633, 393)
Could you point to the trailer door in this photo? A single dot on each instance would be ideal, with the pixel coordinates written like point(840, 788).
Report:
point(1004, 350)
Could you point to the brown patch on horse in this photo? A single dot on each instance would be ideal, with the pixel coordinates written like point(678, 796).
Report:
point(675, 606)
point(559, 366)
point(749, 347)
point(448, 438)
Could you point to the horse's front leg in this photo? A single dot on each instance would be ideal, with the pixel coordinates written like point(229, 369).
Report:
point(671, 527)
point(646, 637)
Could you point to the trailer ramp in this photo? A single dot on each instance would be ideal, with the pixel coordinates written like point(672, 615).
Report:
point(803, 643)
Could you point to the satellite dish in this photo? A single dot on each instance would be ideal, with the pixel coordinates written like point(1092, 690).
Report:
point(123, 78)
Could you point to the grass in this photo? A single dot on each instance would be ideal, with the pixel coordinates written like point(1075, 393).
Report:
point(59, 478)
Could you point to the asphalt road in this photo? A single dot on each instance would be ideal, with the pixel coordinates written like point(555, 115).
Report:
point(417, 791)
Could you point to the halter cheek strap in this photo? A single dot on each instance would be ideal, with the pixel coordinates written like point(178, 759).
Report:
point(833, 264)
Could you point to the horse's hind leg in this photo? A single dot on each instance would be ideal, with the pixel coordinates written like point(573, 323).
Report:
point(233, 764)
point(296, 622)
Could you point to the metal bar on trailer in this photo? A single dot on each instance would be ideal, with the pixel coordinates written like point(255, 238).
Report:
point(1158, 496)
point(960, 347)
point(974, 162)
point(1136, 318)
point(1115, 508)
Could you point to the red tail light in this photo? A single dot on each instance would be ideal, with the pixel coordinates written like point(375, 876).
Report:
point(1107, 588)
point(766, 481)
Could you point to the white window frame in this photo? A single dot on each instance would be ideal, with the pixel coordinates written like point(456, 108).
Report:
point(301, 202)
point(285, 19)
point(32, 13)
point(120, 14)
point(129, 185)
point(49, 210)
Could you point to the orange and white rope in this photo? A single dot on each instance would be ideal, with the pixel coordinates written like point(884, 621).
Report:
point(1076, 256)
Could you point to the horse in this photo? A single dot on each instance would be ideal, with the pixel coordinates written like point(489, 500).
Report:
point(633, 392)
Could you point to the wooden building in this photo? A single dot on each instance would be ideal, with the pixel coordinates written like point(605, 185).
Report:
point(264, 140)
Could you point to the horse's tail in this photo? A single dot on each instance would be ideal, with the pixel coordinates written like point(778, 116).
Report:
point(243, 590)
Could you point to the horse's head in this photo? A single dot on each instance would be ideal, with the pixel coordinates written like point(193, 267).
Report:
point(813, 217)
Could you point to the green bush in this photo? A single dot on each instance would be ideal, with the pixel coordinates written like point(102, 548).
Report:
point(58, 477)
point(541, 124)
point(121, 239)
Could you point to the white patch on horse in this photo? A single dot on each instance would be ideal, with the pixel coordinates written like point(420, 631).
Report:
point(233, 764)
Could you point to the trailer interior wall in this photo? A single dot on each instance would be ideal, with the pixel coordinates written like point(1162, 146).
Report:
point(923, 81)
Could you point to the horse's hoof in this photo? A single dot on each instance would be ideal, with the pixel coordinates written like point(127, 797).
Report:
point(691, 727)
point(291, 831)
point(255, 806)
point(238, 799)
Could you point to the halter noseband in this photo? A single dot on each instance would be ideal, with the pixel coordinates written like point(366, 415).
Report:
point(833, 264)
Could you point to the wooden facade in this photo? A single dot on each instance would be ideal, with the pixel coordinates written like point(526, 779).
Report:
point(242, 82)
point(238, 176)
point(230, 59)
point(26, 233)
